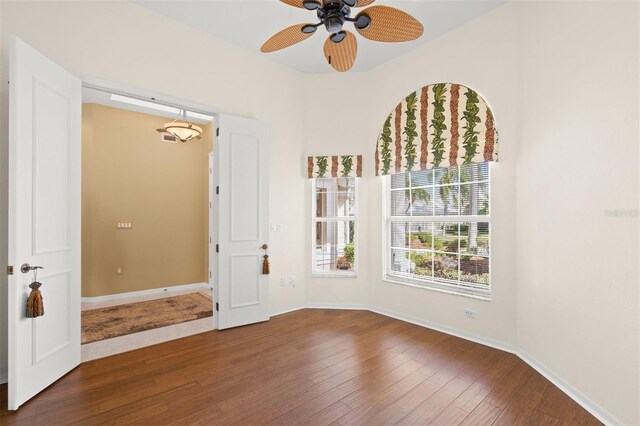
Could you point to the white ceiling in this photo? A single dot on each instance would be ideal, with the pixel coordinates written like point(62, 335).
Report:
point(249, 23)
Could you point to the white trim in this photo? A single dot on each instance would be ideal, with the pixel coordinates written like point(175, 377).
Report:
point(286, 311)
point(150, 292)
point(448, 330)
point(585, 402)
point(348, 307)
point(434, 286)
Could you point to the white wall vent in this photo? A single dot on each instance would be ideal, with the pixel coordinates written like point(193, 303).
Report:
point(168, 138)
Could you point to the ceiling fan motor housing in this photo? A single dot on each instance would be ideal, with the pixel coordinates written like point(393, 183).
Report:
point(333, 14)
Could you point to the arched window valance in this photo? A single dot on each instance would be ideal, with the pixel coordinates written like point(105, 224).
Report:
point(440, 125)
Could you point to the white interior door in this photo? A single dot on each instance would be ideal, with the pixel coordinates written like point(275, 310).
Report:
point(241, 173)
point(44, 220)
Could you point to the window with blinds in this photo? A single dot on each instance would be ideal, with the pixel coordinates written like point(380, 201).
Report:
point(438, 228)
point(334, 251)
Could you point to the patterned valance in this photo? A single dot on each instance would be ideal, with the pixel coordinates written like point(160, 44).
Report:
point(335, 166)
point(440, 125)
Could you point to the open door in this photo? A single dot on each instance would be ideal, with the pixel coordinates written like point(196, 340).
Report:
point(44, 220)
point(241, 174)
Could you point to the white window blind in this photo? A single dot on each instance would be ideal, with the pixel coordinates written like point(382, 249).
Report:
point(334, 212)
point(438, 228)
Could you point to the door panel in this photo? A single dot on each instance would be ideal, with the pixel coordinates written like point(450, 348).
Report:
point(44, 220)
point(242, 174)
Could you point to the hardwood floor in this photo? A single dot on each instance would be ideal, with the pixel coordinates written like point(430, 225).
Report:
point(310, 367)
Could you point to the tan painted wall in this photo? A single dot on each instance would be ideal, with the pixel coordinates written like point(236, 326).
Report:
point(129, 175)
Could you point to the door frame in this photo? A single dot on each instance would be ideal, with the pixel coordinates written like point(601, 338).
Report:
point(132, 92)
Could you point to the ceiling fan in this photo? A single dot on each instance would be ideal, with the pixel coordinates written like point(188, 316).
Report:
point(378, 23)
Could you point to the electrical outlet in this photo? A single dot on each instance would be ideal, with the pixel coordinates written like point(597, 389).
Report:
point(470, 313)
point(283, 281)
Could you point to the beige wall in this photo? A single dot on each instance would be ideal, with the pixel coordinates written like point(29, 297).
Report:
point(579, 325)
point(130, 175)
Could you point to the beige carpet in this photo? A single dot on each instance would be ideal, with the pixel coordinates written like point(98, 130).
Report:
point(105, 323)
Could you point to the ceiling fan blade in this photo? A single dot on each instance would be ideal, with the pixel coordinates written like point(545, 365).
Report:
point(363, 3)
point(341, 56)
point(294, 3)
point(390, 25)
point(285, 38)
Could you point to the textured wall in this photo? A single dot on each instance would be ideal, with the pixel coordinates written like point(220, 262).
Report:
point(129, 175)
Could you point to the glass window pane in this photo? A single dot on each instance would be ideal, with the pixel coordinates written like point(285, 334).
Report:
point(421, 235)
point(399, 261)
point(335, 246)
point(446, 175)
point(400, 234)
point(474, 172)
point(400, 205)
point(422, 264)
point(475, 199)
point(445, 237)
point(474, 238)
point(335, 197)
point(421, 178)
point(400, 180)
point(446, 200)
point(474, 269)
point(422, 201)
point(446, 267)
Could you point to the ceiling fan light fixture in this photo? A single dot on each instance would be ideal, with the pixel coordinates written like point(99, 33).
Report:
point(338, 37)
point(363, 21)
point(311, 4)
point(309, 29)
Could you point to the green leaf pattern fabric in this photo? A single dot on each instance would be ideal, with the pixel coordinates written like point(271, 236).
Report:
point(334, 166)
point(431, 123)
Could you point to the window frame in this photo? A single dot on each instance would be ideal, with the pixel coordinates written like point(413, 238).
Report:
point(387, 219)
point(314, 220)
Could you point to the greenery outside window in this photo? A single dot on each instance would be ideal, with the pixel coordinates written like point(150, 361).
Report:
point(438, 229)
point(334, 229)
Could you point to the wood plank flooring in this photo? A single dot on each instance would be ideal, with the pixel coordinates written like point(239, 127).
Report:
point(310, 367)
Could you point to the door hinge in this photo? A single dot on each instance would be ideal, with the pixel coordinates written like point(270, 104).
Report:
point(217, 248)
point(210, 240)
point(209, 274)
point(218, 131)
point(217, 307)
point(10, 270)
point(217, 190)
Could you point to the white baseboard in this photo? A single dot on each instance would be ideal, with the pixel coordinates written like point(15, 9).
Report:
point(150, 292)
point(286, 311)
point(584, 401)
point(345, 306)
point(448, 330)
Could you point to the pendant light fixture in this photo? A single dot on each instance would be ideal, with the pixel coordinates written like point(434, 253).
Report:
point(183, 130)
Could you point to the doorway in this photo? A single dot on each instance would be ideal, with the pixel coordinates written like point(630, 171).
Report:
point(146, 208)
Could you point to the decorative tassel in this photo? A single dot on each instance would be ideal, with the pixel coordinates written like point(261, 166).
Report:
point(265, 265)
point(35, 307)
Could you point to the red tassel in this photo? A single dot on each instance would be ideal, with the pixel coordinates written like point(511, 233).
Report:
point(265, 265)
point(35, 306)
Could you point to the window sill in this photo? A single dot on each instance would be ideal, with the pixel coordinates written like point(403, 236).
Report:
point(484, 296)
point(334, 275)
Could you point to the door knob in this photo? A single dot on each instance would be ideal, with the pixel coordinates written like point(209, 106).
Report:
point(26, 268)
